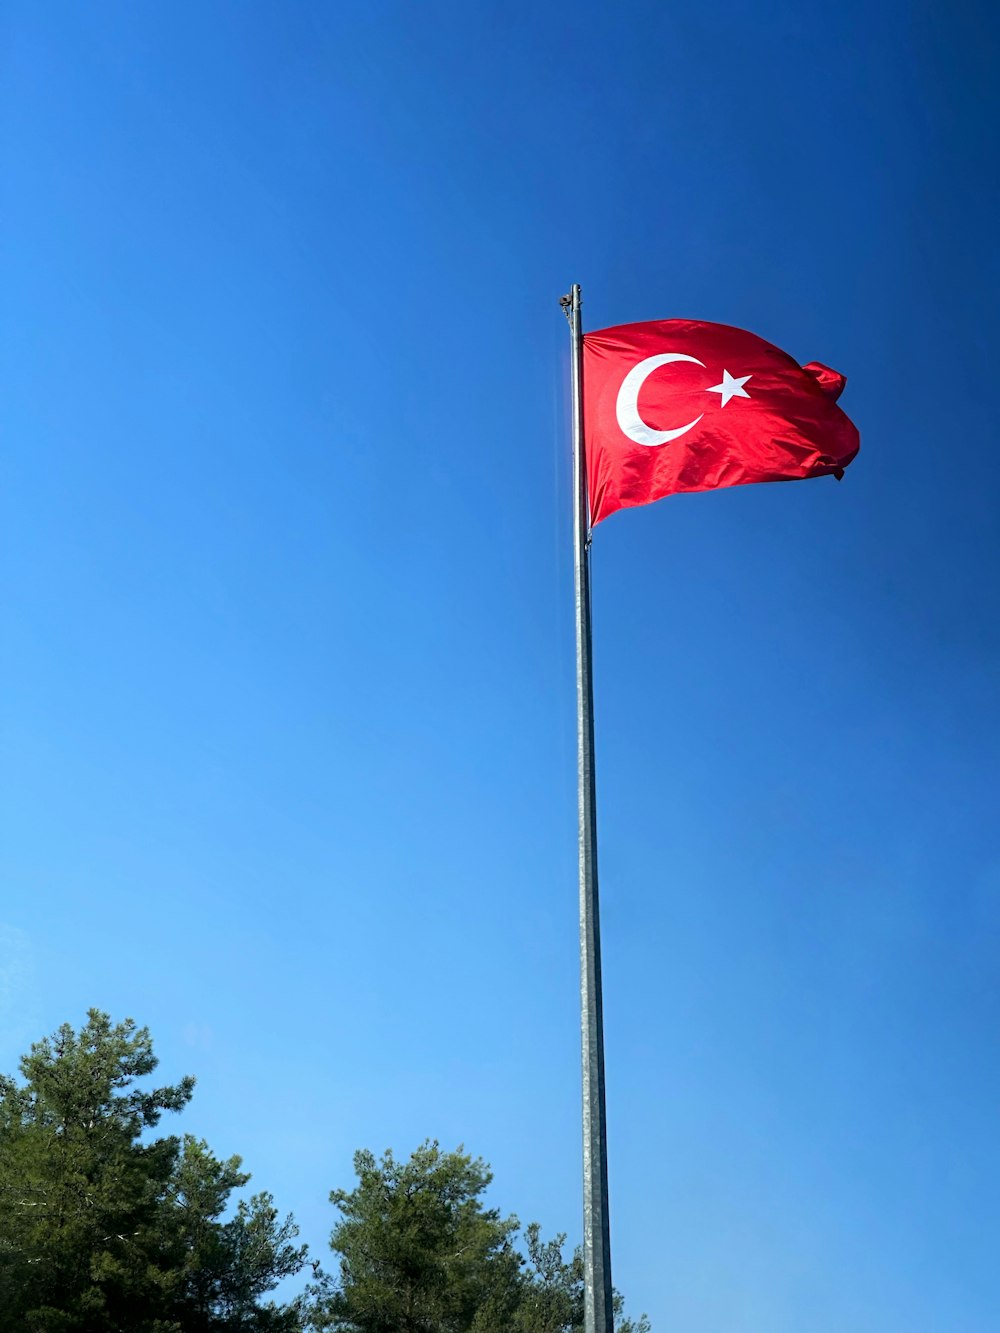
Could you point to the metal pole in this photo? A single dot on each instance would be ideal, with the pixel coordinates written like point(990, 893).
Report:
point(598, 1315)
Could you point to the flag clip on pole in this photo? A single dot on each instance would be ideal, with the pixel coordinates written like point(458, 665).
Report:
point(598, 1313)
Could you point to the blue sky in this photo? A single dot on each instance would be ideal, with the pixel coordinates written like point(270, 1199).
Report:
point(288, 666)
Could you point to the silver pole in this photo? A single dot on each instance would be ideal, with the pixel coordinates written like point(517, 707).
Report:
point(598, 1315)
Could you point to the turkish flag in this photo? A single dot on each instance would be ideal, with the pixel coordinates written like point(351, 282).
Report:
point(682, 405)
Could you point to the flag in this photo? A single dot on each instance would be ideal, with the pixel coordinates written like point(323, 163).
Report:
point(683, 405)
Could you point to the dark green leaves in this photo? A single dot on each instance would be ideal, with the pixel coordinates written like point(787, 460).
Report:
point(102, 1227)
point(106, 1226)
point(421, 1253)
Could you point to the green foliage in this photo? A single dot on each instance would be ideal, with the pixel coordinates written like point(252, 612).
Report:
point(418, 1251)
point(552, 1294)
point(224, 1268)
point(107, 1228)
point(102, 1227)
point(421, 1253)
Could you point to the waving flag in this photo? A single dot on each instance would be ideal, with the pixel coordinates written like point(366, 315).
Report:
point(683, 405)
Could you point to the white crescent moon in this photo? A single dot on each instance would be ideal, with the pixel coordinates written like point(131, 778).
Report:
point(627, 407)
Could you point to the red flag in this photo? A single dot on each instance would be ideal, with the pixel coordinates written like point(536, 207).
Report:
point(681, 405)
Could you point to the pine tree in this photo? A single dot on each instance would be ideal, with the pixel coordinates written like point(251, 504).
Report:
point(104, 1228)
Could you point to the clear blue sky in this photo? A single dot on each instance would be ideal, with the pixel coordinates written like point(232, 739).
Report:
point(288, 674)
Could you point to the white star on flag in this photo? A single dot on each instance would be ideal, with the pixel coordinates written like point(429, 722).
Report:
point(731, 387)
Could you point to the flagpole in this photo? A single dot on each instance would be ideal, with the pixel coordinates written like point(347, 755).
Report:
point(598, 1315)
